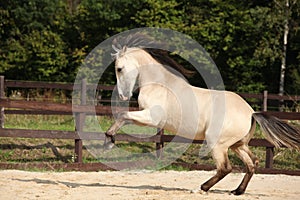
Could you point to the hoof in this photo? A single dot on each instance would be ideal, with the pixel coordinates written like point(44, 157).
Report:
point(237, 192)
point(198, 191)
point(108, 144)
point(204, 188)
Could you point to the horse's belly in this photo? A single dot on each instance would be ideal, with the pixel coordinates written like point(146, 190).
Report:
point(187, 130)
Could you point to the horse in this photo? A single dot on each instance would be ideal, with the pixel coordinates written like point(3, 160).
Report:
point(167, 101)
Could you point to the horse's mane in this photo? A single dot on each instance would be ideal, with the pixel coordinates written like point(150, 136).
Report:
point(138, 40)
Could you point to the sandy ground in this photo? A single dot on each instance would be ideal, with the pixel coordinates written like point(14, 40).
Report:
point(163, 185)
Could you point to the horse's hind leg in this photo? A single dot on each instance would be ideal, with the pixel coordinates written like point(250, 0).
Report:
point(251, 163)
point(220, 156)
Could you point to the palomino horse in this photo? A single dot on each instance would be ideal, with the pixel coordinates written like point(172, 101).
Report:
point(168, 101)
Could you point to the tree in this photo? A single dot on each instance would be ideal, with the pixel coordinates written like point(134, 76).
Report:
point(245, 40)
point(292, 73)
point(162, 14)
point(32, 48)
point(96, 20)
point(230, 31)
point(48, 40)
point(285, 8)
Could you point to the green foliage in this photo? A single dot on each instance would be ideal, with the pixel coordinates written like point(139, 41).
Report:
point(41, 58)
point(32, 47)
point(159, 13)
point(230, 33)
point(48, 40)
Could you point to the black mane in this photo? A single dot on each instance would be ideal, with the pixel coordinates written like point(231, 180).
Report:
point(156, 50)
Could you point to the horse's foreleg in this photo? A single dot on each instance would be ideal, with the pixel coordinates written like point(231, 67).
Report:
point(149, 117)
point(110, 133)
point(119, 122)
point(154, 116)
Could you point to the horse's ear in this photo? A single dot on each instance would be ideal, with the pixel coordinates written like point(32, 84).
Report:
point(124, 49)
point(115, 48)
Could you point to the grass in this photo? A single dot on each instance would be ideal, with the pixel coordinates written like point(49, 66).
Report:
point(40, 122)
point(20, 150)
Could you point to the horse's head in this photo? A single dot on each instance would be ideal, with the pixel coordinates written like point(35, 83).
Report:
point(126, 69)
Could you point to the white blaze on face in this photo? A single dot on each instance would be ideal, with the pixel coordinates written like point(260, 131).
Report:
point(126, 73)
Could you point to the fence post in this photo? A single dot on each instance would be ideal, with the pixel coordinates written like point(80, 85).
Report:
point(79, 120)
point(269, 150)
point(265, 101)
point(160, 145)
point(2, 95)
point(269, 157)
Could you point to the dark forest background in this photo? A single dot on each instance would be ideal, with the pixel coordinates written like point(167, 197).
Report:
point(47, 40)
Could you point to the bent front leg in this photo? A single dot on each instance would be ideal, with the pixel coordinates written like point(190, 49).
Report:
point(119, 122)
point(148, 117)
point(110, 133)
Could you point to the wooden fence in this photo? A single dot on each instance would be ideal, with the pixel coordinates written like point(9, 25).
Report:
point(9, 106)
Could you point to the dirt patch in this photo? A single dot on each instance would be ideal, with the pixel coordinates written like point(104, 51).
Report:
point(144, 185)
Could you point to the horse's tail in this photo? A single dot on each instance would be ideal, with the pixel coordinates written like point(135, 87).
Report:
point(278, 132)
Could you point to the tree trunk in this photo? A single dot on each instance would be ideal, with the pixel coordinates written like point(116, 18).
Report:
point(285, 42)
point(284, 52)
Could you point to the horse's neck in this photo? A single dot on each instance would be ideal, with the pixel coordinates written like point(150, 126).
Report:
point(154, 72)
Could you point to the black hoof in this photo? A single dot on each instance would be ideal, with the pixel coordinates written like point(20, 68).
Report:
point(204, 188)
point(108, 143)
point(237, 192)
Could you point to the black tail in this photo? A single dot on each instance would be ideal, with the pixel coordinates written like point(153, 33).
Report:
point(278, 132)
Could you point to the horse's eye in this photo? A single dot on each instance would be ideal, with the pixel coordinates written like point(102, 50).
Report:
point(119, 69)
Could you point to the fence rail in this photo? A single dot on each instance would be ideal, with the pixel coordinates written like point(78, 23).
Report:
point(9, 106)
